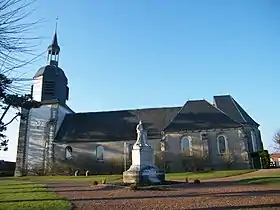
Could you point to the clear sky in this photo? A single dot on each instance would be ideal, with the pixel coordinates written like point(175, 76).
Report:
point(120, 54)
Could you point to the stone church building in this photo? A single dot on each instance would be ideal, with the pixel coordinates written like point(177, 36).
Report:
point(209, 134)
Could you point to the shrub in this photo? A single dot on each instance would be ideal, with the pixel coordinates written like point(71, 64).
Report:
point(265, 159)
point(133, 187)
point(229, 158)
point(36, 170)
point(196, 181)
point(63, 168)
point(83, 161)
point(103, 180)
point(95, 182)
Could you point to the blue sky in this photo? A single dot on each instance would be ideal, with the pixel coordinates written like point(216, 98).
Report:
point(152, 53)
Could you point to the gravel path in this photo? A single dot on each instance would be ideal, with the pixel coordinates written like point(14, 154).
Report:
point(207, 195)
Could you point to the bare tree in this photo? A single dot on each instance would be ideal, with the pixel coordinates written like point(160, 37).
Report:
point(16, 47)
point(276, 140)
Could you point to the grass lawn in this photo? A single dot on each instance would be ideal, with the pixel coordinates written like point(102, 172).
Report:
point(205, 175)
point(114, 178)
point(23, 195)
point(109, 178)
point(266, 179)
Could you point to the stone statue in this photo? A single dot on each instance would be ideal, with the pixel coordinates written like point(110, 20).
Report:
point(143, 168)
point(141, 135)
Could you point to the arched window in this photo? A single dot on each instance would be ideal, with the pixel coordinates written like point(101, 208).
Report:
point(205, 148)
point(222, 144)
point(254, 141)
point(186, 145)
point(68, 153)
point(100, 153)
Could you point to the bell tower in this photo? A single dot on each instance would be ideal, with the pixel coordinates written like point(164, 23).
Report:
point(50, 82)
point(39, 126)
point(53, 51)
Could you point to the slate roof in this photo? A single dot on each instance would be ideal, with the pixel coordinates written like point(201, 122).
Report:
point(199, 115)
point(55, 101)
point(50, 70)
point(54, 47)
point(114, 125)
point(121, 125)
point(228, 105)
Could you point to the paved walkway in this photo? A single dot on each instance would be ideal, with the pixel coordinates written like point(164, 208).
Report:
point(223, 193)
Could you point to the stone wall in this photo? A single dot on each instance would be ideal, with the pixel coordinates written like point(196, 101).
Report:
point(21, 148)
point(247, 132)
point(35, 142)
point(237, 147)
point(84, 155)
point(204, 156)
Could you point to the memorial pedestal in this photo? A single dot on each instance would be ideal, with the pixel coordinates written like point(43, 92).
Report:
point(143, 169)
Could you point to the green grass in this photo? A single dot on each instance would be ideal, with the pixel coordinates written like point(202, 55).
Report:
point(266, 179)
point(114, 178)
point(205, 175)
point(109, 178)
point(23, 195)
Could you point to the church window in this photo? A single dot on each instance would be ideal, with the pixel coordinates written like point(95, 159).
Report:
point(100, 153)
point(222, 143)
point(254, 141)
point(186, 145)
point(68, 153)
point(204, 139)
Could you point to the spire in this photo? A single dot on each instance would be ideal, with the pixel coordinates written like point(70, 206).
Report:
point(54, 49)
point(55, 42)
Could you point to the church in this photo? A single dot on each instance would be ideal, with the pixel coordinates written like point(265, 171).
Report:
point(197, 135)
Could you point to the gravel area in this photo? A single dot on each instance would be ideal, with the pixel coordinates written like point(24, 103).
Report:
point(207, 195)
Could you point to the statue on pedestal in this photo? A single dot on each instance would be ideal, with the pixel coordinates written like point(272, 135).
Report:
point(143, 169)
point(142, 138)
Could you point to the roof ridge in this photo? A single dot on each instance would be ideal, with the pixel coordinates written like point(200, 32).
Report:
point(221, 95)
point(222, 112)
point(121, 110)
point(175, 116)
point(192, 100)
point(233, 101)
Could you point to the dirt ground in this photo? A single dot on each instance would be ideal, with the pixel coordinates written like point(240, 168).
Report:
point(222, 193)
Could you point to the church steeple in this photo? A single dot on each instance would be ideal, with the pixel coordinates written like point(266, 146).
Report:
point(53, 50)
point(50, 81)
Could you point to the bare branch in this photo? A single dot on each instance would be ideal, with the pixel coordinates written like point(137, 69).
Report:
point(8, 123)
point(14, 34)
point(276, 140)
point(16, 46)
point(5, 112)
